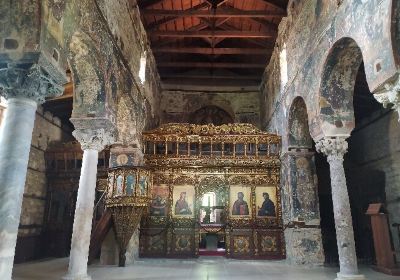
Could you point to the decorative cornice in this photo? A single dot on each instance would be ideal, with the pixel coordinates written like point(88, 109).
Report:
point(94, 139)
point(390, 94)
point(32, 83)
point(332, 147)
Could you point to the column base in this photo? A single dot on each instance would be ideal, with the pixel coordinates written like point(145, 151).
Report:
point(77, 277)
point(350, 277)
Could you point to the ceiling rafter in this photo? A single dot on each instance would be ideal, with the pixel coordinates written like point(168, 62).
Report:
point(213, 51)
point(217, 13)
point(187, 64)
point(278, 4)
point(156, 24)
point(144, 4)
point(214, 34)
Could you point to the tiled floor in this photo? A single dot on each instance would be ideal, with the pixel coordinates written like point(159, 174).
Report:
point(205, 268)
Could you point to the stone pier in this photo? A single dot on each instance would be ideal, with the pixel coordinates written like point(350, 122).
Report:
point(93, 140)
point(335, 148)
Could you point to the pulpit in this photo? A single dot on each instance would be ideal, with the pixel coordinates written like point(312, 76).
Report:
point(385, 257)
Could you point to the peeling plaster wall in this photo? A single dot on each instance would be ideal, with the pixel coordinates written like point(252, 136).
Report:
point(124, 21)
point(310, 31)
point(177, 106)
point(325, 44)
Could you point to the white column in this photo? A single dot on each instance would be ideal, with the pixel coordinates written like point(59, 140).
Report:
point(15, 144)
point(24, 89)
point(92, 141)
point(334, 149)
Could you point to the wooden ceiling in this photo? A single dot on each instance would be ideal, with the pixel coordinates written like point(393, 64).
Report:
point(212, 41)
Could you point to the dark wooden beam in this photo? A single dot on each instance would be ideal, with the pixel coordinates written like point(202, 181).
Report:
point(278, 4)
point(209, 65)
point(144, 4)
point(217, 77)
point(216, 51)
point(263, 22)
point(214, 34)
point(258, 42)
point(166, 20)
point(218, 13)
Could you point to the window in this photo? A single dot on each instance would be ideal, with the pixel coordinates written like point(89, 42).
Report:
point(142, 70)
point(283, 67)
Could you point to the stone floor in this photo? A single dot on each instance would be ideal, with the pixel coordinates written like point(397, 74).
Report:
point(205, 268)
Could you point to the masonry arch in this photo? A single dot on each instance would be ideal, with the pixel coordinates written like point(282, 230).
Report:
point(336, 112)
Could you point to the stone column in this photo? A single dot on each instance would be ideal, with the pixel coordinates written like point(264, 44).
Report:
point(92, 141)
point(24, 89)
point(335, 148)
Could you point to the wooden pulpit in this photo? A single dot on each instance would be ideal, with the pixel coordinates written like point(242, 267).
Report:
point(385, 256)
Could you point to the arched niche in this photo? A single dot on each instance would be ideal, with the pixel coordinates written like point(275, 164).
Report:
point(298, 132)
point(339, 74)
point(211, 115)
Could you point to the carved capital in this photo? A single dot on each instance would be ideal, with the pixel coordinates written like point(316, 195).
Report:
point(390, 95)
point(332, 147)
point(94, 139)
point(17, 81)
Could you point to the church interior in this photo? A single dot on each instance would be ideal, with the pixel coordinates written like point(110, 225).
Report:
point(200, 139)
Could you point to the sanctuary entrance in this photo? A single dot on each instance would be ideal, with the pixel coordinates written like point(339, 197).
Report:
point(214, 191)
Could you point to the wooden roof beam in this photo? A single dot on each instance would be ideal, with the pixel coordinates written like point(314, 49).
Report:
point(214, 34)
point(216, 51)
point(209, 65)
point(218, 13)
point(278, 4)
point(144, 4)
point(166, 20)
point(210, 76)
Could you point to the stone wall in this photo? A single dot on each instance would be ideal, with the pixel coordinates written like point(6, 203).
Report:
point(316, 36)
point(325, 43)
point(177, 106)
point(374, 149)
point(47, 129)
point(124, 21)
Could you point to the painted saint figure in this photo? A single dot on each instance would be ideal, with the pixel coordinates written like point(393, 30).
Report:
point(157, 207)
point(240, 207)
point(267, 208)
point(181, 205)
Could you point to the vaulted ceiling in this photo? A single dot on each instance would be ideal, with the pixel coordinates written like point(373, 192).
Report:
point(212, 41)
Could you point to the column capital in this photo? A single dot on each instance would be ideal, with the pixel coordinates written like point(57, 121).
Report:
point(94, 138)
point(33, 82)
point(332, 147)
point(390, 94)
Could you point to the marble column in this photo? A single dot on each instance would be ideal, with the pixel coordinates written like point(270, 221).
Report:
point(335, 148)
point(24, 89)
point(92, 140)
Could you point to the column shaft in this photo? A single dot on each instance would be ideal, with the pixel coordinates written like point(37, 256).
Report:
point(83, 217)
point(343, 219)
point(15, 144)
